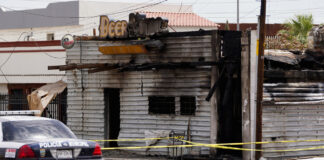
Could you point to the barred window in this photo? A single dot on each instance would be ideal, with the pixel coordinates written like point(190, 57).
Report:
point(161, 105)
point(187, 105)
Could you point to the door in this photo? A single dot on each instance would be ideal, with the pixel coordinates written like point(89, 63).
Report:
point(112, 115)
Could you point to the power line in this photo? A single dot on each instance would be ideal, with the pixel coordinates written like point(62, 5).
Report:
point(49, 16)
point(9, 58)
point(129, 8)
point(252, 11)
point(3, 39)
point(48, 53)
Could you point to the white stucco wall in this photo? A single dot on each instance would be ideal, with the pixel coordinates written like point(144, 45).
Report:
point(38, 34)
point(31, 67)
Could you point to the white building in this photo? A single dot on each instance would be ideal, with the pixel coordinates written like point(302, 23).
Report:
point(23, 65)
point(81, 17)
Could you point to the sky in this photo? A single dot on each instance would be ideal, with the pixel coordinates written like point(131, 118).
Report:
point(278, 11)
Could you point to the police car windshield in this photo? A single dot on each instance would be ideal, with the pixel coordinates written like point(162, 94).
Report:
point(34, 129)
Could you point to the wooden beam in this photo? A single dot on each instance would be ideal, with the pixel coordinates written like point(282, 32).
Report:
point(258, 155)
point(215, 97)
point(100, 69)
point(170, 65)
point(245, 89)
point(78, 66)
point(214, 86)
point(53, 67)
point(97, 67)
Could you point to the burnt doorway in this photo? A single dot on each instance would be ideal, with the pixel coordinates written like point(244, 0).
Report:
point(112, 115)
point(230, 108)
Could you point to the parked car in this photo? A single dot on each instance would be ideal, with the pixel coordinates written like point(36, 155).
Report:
point(30, 137)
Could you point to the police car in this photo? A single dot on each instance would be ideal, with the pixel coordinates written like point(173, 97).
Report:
point(30, 137)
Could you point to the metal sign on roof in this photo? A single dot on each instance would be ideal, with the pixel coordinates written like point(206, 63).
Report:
point(138, 26)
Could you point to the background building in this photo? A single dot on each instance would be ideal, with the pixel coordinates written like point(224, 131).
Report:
point(81, 17)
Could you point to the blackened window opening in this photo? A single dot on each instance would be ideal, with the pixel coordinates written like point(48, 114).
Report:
point(161, 105)
point(18, 100)
point(187, 105)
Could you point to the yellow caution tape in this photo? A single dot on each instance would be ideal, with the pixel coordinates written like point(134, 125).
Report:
point(141, 147)
point(219, 145)
point(268, 142)
point(247, 149)
point(193, 144)
point(226, 144)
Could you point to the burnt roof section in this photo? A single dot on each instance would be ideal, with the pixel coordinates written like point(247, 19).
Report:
point(289, 60)
point(293, 93)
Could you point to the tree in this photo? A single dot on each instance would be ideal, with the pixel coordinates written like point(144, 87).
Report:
point(227, 27)
point(296, 30)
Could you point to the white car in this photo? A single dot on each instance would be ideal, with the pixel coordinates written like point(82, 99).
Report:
point(29, 137)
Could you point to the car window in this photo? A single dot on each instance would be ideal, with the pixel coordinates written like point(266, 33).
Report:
point(35, 129)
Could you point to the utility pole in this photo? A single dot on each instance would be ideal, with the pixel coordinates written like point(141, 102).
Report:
point(238, 15)
point(258, 154)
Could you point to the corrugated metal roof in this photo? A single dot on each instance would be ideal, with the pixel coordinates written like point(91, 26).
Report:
point(183, 19)
point(293, 93)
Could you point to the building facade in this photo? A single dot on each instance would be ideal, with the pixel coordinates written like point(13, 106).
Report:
point(25, 63)
point(159, 92)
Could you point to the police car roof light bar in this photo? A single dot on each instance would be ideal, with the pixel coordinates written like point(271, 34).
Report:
point(20, 112)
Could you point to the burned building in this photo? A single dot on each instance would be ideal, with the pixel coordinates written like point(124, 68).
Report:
point(186, 83)
point(201, 85)
point(293, 102)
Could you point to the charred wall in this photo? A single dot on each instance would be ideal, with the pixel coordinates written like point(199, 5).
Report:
point(86, 92)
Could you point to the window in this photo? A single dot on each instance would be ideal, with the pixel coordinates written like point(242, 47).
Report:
point(187, 105)
point(161, 105)
point(18, 100)
point(35, 129)
point(18, 95)
point(50, 36)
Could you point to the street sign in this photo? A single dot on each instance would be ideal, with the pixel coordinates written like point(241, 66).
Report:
point(67, 41)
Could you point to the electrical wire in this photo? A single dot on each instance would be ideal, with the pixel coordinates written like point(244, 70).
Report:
point(9, 58)
point(11, 52)
point(77, 17)
point(129, 8)
point(252, 11)
point(135, 5)
point(183, 11)
point(48, 53)
point(3, 39)
point(125, 16)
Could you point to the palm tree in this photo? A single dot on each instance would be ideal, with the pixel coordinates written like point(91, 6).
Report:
point(298, 28)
